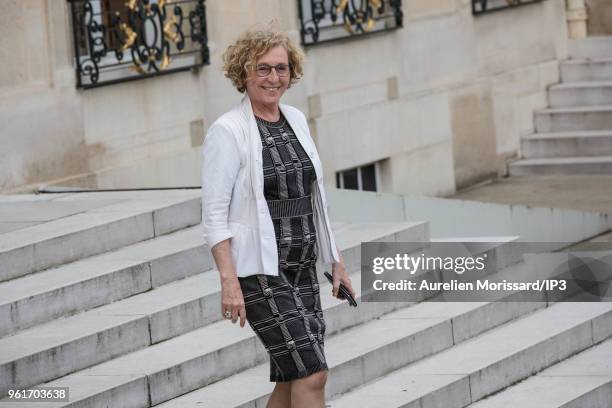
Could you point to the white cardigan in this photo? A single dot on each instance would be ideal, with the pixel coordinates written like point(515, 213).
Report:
point(233, 202)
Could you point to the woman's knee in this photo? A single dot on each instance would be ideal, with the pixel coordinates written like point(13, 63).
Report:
point(313, 381)
point(284, 387)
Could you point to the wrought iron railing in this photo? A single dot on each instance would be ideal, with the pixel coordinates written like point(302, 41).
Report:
point(330, 20)
point(487, 6)
point(123, 40)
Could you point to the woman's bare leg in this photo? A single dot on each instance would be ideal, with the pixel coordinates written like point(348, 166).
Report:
point(309, 392)
point(281, 396)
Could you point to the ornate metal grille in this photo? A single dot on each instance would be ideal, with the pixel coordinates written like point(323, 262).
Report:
point(123, 40)
point(330, 20)
point(486, 6)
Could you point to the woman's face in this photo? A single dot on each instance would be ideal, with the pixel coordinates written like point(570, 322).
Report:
point(268, 90)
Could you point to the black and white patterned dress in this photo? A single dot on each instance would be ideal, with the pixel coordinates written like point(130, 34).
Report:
point(285, 311)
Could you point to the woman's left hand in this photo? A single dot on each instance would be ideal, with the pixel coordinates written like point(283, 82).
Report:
point(340, 275)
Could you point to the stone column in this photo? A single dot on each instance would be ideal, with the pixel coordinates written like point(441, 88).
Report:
point(577, 19)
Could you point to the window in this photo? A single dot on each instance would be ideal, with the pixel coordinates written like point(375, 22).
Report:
point(359, 178)
point(115, 9)
point(487, 6)
point(123, 40)
point(330, 20)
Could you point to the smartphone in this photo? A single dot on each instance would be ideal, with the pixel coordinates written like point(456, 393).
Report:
point(343, 291)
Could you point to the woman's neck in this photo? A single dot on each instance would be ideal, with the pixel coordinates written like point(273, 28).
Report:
point(269, 113)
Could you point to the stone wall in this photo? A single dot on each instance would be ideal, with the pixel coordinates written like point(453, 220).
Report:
point(41, 128)
point(441, 103)
point(600, 17)
point(445, 99)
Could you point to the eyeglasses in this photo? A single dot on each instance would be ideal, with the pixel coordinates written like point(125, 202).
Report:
point(282, 70)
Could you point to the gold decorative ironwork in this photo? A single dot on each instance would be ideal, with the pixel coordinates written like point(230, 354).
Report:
point(330, 20)
point(166, 61)
point(169, 30)
point(359, 15)
point(130, 36)
point(146, 37)
point(131, 4)
point(136, 67)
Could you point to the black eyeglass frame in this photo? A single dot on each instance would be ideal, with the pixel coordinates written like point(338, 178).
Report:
point(269, 69)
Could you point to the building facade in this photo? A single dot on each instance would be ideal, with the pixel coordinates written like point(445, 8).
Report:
point(427, 106)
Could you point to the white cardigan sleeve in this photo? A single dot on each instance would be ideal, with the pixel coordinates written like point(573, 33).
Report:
point(220, 165)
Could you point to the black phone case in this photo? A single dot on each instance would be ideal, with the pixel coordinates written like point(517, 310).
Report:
point(342, 290)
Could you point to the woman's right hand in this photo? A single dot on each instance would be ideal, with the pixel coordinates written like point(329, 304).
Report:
point(231, 294)
point(232, 300)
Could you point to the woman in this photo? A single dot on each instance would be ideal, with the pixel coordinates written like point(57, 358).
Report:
point(264, 213)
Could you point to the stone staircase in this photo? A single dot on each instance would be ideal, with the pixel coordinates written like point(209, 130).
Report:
point(116, 295)
point(443, 354)
point(574, 135)
point(587, 374)
point(119, 301)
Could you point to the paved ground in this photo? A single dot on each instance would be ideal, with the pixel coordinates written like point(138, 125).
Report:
point(584, 192)
point(588, 193)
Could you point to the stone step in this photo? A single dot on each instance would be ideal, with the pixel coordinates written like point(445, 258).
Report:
point(470, 371)
point(353, 356)
point(580, 94)
point(18, 211)
point(350, 236)
point(580, 70)
point(561, 165)
point(354, 359)
point(356, 356)
point(574, 119)
point(502, 251)
point(567, 144)
point(83, 342)
point(583, 380)
point(97, 230)
point(63, 346)
point(101, 279)
point(187, 362)
point(590, 47)
point(48, 351)
point(203, 356)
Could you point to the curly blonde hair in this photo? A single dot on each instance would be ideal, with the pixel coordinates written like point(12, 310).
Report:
point(241, 57)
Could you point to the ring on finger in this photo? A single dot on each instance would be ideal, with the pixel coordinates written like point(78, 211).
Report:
point(228, 314)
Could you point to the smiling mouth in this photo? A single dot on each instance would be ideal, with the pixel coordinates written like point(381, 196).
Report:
point(271, 89)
